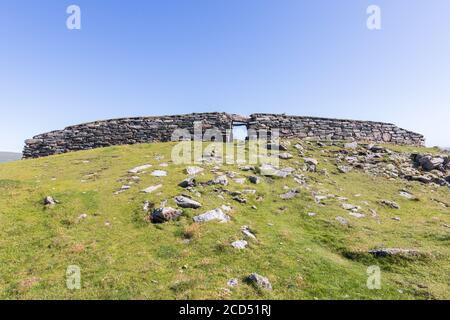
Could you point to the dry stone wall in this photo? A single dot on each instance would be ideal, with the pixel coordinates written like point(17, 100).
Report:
point(159, 129)
point(334, 129)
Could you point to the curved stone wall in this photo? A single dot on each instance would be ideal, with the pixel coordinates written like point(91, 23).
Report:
point(159, 129)
point(335, 129)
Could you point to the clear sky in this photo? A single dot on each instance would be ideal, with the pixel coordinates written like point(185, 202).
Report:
point(156, 57)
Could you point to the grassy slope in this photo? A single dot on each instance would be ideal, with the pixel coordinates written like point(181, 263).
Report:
point(304, 257)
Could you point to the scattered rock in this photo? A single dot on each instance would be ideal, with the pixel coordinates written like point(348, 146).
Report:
point(159, 173)
point(289, 195)
point(239, 244)
point(216, 214)
point(152, 188)
point(82, 216)
point(49, 201)
point(140, 168)
point(348, 206)
point(246, 231)
point(194, 170)
point(233, 282)
point(285, 156)
point(188, 182)
point(162, 215)
point(259, 281)
point(311, 161)
point(147, 205)
point(254, 179)
point(185, 202)
point(384, 252)
point(390, 204)
point(342, 220)
point(396, 218)
point(406, 195)
point(428, 162)
point(239, 199)
point(344, 169)
point(247, 168)
point(223, 180)
point(312, 214)
point(269, 170)
point(239, 180)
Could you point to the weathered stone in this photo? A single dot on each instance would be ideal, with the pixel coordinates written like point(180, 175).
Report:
point(259, 281)
point(406, 195)
point(159, 173)
point(216, 214)
point(289, 195)
point(49, 201)
point(152, 188)
point(390, 204)
point(233, 282)
point(384, 252)
point(254, 179)
point(285, 156)
point(140, 168)
point(185, 202)
point(160, 129)
point(194, 170)
point(247, 232)
point(162, 215)
point(429, 163)
point(223, 180)
point(188, 182)
point(311, 161)
point(344, 169)
point(239, 244)
point(239, 199)
point(348, 206)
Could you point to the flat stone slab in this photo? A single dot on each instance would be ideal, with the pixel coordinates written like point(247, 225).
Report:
point(239, 244)
point(159, 173)
point(216, 214)
point(185, 202)
point(152, 188)
point(140, 168)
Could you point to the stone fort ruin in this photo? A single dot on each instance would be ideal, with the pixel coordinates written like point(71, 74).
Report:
point(160, 128)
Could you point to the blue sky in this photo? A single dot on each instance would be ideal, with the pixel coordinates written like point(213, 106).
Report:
point(244, 56)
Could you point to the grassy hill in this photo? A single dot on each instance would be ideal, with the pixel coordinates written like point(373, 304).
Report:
point(122, 255)
point(9, 156)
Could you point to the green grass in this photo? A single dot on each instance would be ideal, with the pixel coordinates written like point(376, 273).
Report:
point(303, 257)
